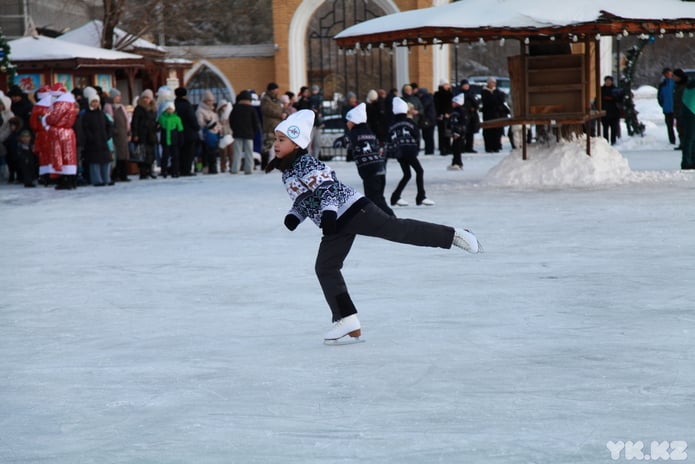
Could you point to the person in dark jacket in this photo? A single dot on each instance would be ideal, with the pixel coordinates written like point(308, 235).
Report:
point(143, 129)
point(681, 80)
point(21, 106)
point(190, 131)
point(611, 99)
point(369, 159)
point(494, 107)
point(244, 123)
point(97, 130)
point(458, 124)
point(376, 116)
point(27, 160)
point(470, 105)
point(442, 107)
point(428, 119)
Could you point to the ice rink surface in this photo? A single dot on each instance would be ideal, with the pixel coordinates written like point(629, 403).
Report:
point(178, 321)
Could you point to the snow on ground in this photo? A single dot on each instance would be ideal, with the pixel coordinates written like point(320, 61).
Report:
point(178, 321)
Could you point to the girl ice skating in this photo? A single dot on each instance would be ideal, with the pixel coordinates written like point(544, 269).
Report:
point(343, 213)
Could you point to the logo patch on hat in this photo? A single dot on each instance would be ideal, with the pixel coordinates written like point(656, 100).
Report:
point(293, 132)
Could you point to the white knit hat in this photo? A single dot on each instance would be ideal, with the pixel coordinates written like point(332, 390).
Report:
point(399, 106)
point(358, 114)
point(89, 92)
point(298, 127)
point(458, 99)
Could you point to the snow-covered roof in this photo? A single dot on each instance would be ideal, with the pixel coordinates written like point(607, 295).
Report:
point(42, 48)
point(477, 15)
point(90, 34)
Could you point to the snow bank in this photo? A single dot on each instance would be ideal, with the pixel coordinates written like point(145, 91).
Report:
point(566, 164)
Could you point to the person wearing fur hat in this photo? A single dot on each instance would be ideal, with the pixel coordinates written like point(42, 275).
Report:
point(404, 138)
point(143, 130)
point(170, 137)
point(342, 213)
point(369, 159)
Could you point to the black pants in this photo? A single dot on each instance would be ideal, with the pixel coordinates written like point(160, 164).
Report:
point(493, 139)
point(457, 147)
point(186, 157)
point(668, 119)
point(407, 162)
point(443, 139)
point(428, 139)
point(120, 172)
point(370, 221)
point(374, 190)
point(611, 125)
point(170, 160)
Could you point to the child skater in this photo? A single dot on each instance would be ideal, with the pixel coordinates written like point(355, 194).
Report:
point(343, 213)
point(458, 122)
point(404, 136)
point(371, 164)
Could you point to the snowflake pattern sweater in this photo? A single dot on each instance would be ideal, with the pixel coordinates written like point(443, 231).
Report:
point(314, 188)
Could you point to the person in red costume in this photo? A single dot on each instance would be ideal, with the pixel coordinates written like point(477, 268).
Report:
point(62, 138)
point(41, 144)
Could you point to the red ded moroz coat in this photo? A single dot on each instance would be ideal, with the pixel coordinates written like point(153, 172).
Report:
point(61, 136)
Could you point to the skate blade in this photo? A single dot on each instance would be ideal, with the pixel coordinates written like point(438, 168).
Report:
point(343, 341)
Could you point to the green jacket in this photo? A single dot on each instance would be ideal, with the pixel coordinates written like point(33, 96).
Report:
point(169, 123)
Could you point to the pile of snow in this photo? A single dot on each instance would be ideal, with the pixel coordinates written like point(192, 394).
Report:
point(566, 164)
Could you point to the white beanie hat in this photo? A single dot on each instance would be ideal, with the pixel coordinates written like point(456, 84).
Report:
point(358, 114)
point(399, 106)
point(458, 99)
point(89, 92)
point(298, 127)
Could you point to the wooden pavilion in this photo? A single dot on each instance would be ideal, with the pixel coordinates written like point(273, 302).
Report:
point(556, 75)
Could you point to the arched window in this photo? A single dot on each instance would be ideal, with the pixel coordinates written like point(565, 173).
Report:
point(205, 76)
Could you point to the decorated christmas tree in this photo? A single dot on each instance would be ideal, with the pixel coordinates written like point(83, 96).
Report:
point(6, 67)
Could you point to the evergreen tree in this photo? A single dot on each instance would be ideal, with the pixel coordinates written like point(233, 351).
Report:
point(5, 66)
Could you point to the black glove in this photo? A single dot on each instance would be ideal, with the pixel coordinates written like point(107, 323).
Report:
point(291, 221)
point(329, 223)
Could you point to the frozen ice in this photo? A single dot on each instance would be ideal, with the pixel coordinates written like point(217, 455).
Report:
point(178, 321)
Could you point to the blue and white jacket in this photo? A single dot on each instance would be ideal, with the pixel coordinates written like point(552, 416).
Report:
point(314, 188)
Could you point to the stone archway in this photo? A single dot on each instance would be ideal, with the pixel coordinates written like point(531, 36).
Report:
point(297, 35)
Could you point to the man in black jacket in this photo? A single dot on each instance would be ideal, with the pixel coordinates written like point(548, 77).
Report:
point(190, 130)
point(244, 123)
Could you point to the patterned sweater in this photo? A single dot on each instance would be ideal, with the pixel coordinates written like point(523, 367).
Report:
point(365, 150)
point(404, 136)
point(314, 188)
